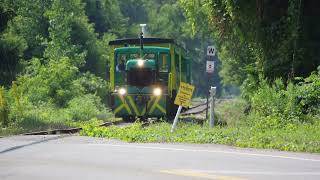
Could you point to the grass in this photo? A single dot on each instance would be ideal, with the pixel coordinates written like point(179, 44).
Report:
point(31, 125)
point(227, 112)
point(236, 129)
point(230, 111)
point(303, 138)
point(53, 121)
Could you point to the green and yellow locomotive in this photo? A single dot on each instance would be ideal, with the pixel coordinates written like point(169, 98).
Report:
point(145, 74)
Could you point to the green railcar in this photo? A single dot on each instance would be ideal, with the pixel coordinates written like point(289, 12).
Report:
point(144, 81)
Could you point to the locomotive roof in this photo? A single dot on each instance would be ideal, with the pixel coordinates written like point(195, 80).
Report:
point(145, 48)
point(137, 41)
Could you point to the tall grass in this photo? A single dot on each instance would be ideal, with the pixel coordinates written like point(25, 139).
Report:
point(4, 120)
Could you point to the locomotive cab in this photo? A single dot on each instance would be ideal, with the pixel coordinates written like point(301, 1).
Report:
point(144, 79)
point(141, 89)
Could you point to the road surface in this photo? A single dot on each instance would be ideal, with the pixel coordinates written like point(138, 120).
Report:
point(75, 157)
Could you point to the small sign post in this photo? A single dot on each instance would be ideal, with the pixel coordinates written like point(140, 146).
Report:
point(209, 70)
point(183, 99)
point(211, 51)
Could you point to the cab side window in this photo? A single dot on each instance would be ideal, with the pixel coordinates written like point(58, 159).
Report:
point(163, 62)
point(121, 62)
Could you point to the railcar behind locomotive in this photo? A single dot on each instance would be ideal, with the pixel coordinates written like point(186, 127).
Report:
point(145, 74)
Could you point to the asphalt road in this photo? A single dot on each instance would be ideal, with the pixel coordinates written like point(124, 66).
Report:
point(75, 157)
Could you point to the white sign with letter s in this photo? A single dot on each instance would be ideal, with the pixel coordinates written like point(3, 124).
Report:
point(210, 66)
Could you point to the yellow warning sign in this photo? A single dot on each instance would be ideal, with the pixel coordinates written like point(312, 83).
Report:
point(184, 95)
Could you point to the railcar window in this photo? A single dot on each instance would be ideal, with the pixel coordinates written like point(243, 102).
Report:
point(149, 56)
point(163, 62)
point(140, 77)
point(145, 56)
point(121, 62)
point(134, 56)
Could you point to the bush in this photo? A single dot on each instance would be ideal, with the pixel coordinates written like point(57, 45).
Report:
point(4, 120)
point(85, 107)
point(278, 105)
point(94, 85)
point(54, 82)
point(54, 94)
point(309, 94)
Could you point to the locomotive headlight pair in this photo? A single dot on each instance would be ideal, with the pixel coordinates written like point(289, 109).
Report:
point(157, 92)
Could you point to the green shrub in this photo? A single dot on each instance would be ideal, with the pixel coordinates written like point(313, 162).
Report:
point(85, 107)
point(54, 82)
point(309, 94)
point(4, 120)
point(93, 84)
point(54, 94)
point(249, 87)
point(277, 105)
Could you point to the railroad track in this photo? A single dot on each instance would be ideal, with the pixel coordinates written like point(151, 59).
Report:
point(76, 130)
point(197, 109)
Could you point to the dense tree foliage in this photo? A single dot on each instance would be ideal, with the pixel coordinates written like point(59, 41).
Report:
point(57, 50)
point(81, 29)
point(270, 48)
point(270, 38)
point(54, 50)
point(106, 16)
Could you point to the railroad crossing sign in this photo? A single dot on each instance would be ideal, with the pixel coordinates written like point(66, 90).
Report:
point(211, 51)
point(210, 66)
point(184, 95)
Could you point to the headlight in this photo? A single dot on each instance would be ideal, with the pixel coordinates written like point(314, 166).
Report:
point(140, 62)
point(122, 91)
point(157, 92)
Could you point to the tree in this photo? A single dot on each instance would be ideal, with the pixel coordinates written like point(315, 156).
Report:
point(71, 35)
point(255, 38)
point(106, 16)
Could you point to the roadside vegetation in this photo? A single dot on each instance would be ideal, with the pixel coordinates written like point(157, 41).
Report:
point(54, 56)
point(279, 117)
point(54, 61)
point(303, 138)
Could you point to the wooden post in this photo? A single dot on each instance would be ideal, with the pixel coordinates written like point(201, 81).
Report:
point(212, 94)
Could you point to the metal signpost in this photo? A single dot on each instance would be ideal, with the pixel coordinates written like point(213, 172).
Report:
point(183, 99)
point(211, 51)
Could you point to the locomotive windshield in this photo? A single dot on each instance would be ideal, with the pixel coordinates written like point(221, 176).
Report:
point(140, 77)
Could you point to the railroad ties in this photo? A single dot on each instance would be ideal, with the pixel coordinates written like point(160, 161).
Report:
point(198, 109)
